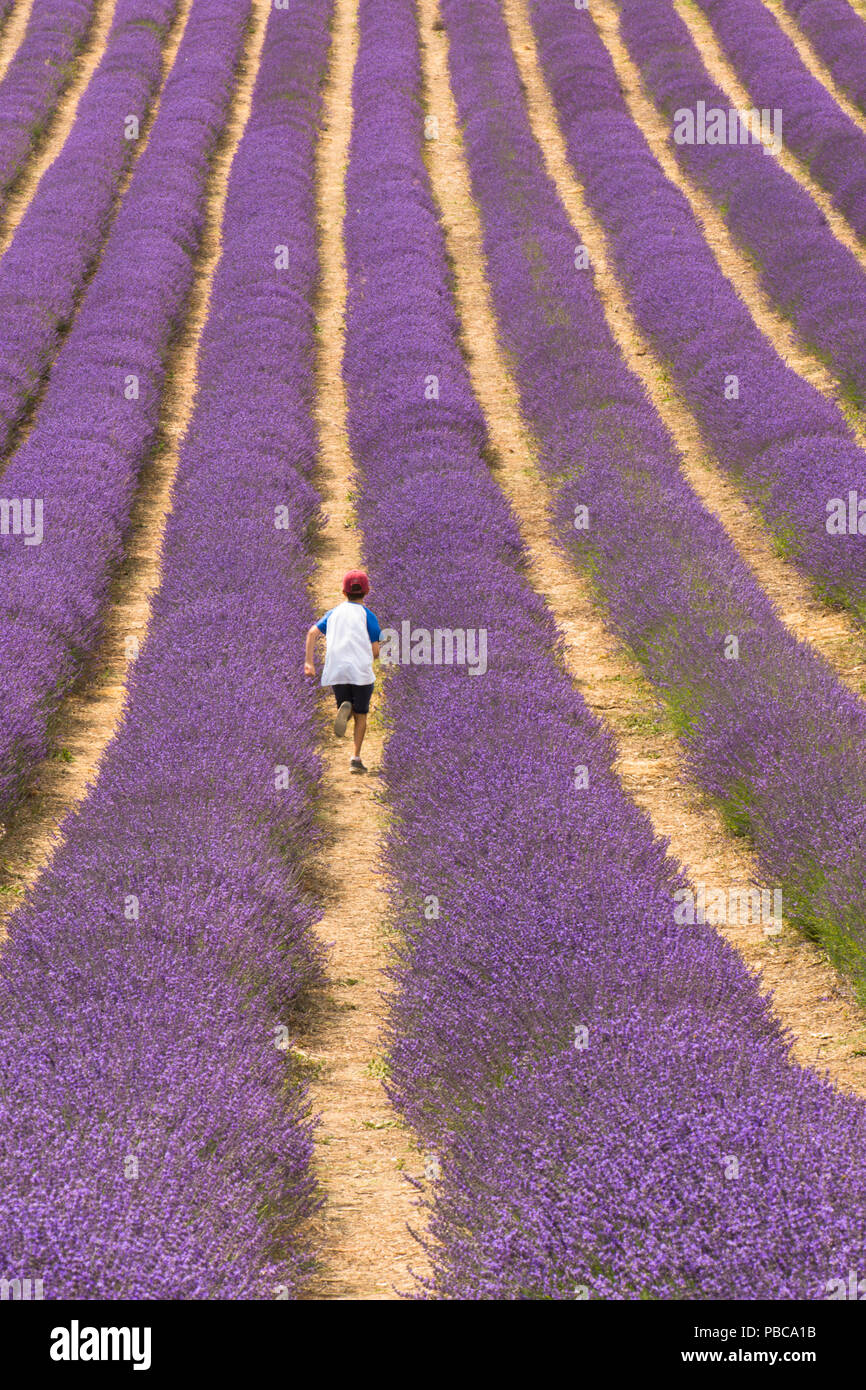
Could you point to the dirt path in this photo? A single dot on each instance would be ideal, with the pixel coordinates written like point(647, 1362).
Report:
point(724, 76)
point(834, 634)
point(59, 123)
point(88, 718)
point(810, 997)
point(363, 1150)
point(13, 32)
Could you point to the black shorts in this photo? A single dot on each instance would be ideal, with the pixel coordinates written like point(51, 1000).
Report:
point(358, 696)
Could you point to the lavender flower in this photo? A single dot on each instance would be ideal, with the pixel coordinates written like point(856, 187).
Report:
point(153, 1138)
point(36, 77)
point(97, 421)
point(837, 35)
point(528, 908)
point(43, 271)
point(828, 141)
point(814, 280)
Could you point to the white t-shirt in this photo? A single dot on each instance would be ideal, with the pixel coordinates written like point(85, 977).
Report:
point(349, 632)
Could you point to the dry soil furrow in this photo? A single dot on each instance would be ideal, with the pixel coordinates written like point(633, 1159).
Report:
point(362, 1233)
point(59, 123)
point(89, 717)
point(13, 32)
point(724, 75)
point(809, 996)
point(832, 633)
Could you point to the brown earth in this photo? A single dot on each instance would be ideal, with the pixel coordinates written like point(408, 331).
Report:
point(12, 33)
point(809, 996)
point(363, 1150)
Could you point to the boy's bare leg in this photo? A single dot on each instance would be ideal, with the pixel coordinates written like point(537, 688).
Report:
point(359, 731)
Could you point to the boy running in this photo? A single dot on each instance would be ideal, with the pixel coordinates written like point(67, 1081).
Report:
point(352, 644)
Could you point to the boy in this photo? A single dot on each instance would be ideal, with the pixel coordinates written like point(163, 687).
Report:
point(352, 636)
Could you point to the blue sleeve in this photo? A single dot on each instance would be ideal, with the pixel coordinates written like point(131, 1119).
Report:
point(322, 624)
point(374, 631)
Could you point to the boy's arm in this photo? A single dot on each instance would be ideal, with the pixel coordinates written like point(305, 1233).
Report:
point(309, 650)
point(375, 651)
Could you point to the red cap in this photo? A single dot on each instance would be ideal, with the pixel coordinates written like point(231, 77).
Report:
point(356, 584)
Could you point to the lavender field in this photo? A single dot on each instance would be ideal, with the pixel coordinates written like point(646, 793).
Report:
point(536, 328)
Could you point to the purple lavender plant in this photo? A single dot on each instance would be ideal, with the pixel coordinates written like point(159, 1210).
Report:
point(838, 36)
point(774, 433)
point(46, 264)
point(767, 728)
point(815, 281)
point(36, 77)
point(153, 1138)
point(536, 909)
point(97, 422)
point(827, 140)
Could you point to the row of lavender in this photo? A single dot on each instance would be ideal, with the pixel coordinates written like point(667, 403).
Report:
point(98, 419)
point(154, 1142)
point(587, 1071)
point(815, 128)
point(768, 729)
point(813, 279)
point(36, 77)
point(775, 433)
point(42, 273)
point(838, 35)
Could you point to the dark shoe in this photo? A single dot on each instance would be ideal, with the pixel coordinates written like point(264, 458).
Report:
point(356, 765)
